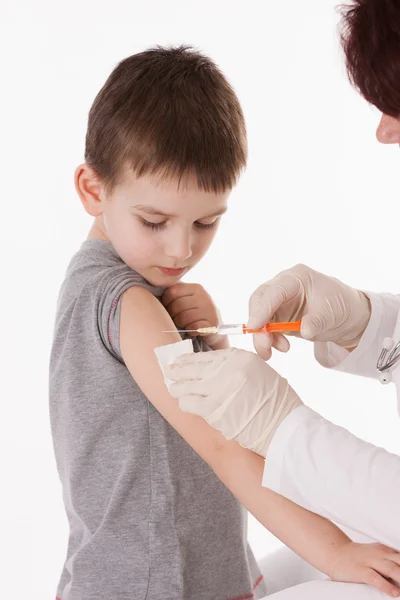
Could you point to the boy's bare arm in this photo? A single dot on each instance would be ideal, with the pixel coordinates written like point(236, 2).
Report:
point(312, 537)
point(143, 319)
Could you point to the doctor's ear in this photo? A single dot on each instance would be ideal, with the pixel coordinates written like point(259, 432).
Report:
point(90, 190)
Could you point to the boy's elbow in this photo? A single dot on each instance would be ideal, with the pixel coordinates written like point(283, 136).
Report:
point(224, 454)
point(213, 449)
point(229, 458)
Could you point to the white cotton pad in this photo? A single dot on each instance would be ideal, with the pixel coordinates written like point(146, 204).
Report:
point(166, 355)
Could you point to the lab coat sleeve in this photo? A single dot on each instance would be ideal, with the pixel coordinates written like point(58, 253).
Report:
point(329, 471)
point(362, 361)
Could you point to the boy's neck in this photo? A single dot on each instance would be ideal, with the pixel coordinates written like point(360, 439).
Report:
point(97, 230)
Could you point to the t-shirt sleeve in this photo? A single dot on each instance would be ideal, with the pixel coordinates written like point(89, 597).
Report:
point(109, 294)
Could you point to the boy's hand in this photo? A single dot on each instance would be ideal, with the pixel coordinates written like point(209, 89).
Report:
point(373, 564)
point(191, 307)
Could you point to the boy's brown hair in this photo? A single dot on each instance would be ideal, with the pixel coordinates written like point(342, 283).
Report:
point(167, 111)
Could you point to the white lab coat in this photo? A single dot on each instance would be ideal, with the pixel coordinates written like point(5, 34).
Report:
point(329, 471)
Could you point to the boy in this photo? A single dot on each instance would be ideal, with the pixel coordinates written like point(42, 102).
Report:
point(142, 482)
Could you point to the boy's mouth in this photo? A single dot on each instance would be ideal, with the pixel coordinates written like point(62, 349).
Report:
point(172, 272)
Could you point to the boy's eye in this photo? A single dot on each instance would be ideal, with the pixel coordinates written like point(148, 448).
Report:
point(157, 226)
point(206, 225)
point(152, 225)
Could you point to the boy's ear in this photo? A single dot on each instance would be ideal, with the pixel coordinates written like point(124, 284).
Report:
point(90, 190)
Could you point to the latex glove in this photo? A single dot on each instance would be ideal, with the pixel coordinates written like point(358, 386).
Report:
point(191, 307)
point(236, 392)
point(330, 310)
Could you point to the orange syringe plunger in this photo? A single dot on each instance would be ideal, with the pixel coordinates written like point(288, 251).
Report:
point(275, 327)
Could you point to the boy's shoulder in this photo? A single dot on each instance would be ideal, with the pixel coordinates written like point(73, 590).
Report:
point(95, 256)
point(95, 265)
point(95, 280)
point(96, 277)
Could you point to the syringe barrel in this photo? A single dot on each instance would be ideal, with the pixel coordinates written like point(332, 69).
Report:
point(230, 329)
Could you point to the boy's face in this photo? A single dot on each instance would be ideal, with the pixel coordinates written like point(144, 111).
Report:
point(159, 229)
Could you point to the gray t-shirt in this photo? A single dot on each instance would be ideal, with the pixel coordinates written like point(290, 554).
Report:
point(149, 520)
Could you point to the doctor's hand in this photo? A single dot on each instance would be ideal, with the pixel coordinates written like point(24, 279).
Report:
point(373, 564)
point(330, 310)
point(236, 392)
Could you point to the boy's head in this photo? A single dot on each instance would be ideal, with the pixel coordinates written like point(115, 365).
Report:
point(165, 144)
point(370, 32)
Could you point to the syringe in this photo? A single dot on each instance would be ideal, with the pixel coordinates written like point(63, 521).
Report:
point(240, 329)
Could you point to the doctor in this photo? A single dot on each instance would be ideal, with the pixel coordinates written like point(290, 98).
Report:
point(242, 396)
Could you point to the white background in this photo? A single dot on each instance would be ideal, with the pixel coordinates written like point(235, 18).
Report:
point(318, 189)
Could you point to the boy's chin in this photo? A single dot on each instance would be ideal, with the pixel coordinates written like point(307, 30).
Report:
point(158, 279)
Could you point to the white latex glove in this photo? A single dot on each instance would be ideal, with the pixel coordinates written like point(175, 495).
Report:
point(330, 310)
point(236, 392)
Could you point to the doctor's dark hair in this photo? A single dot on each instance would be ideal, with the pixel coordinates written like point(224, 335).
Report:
point(370, 36)
point(169, 112)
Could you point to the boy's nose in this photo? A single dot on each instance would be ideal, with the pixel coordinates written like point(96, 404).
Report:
point(388, 131)
point(179, 247)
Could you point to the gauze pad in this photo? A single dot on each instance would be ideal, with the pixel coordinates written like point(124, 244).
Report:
point(166, 355)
